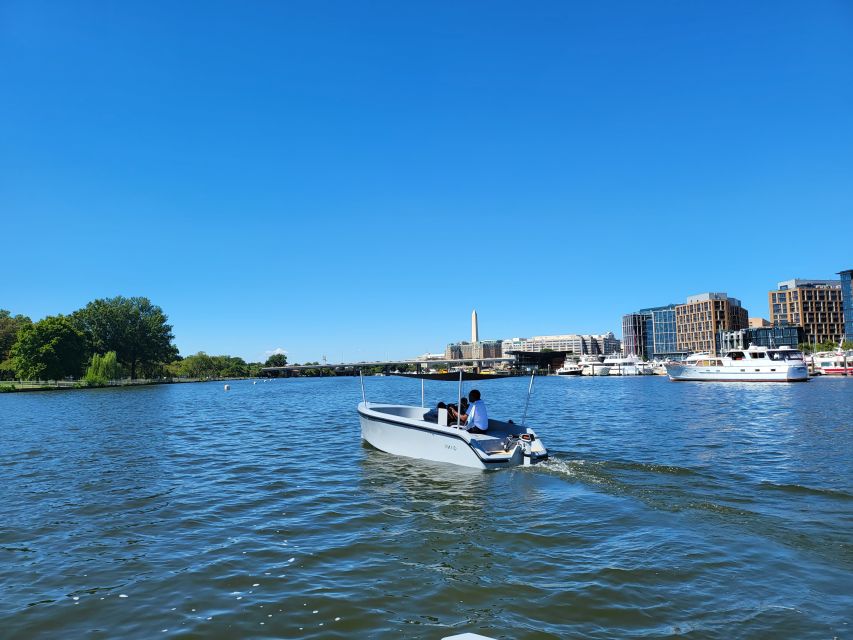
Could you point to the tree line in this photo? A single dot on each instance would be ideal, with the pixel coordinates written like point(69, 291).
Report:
point(109, 338)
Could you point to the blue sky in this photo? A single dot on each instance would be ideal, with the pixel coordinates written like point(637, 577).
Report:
point(350, 179)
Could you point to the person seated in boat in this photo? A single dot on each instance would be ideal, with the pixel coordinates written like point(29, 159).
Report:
point(476, 418)
point(432, 414)
point(453, 412)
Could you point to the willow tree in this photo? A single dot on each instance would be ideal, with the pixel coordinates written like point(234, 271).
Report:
point(103, 368)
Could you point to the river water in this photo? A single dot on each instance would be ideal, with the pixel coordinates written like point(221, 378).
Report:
point(695, 510)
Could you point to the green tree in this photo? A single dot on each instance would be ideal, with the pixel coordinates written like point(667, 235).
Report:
point(276, 360)
point(9, 327)
point(103, 369)
point(134, 328)
point(199, 365)
point(50, 349)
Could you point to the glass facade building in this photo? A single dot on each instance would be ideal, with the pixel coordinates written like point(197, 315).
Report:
point(847, 302)
point(634, 334)
point(777, 336)
point(650, 334)
point(665, 343)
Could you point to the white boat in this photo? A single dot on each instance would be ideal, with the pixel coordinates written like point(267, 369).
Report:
point(630, 365)
point(403, 431)
point(592, 366)
point(833, 363)
point(755, 364)
point(658, 367)
point(569, 369)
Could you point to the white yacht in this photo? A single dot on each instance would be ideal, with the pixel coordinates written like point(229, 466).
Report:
point(630, 365)
point(755, 364)
point(404, 430)
point(592, 366)
point(658, 367)
point(569, 369)
point(833, 363)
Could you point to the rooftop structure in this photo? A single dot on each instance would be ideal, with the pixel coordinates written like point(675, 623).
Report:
point(798, 283)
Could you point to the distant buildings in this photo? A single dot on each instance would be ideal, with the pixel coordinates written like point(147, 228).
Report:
point(672, 331)
point(847, 302)
point(811, 311)
point(815, 305)
point(699, 321)
point(603, 344)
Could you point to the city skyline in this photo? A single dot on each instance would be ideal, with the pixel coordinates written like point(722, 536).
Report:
point(351, 182)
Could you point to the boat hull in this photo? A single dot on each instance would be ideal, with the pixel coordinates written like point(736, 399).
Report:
point(412, 438)
point(595, 370)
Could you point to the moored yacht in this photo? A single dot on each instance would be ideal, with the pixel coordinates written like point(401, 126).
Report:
point(592, 366)
point(833, 363)
point(630, 365)
point(755, 364)
point(569, 369)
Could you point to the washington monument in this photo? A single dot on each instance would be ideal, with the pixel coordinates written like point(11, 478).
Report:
point(474, 332)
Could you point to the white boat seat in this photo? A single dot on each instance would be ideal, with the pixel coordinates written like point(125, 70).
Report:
point(442, 417)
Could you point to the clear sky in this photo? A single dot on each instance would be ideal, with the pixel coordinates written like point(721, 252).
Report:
point(350, 179)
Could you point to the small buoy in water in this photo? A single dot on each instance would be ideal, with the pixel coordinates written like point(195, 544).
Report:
point(255, 382)
point(227, 387)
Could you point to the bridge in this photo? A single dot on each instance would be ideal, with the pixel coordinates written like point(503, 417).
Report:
point(352, 368)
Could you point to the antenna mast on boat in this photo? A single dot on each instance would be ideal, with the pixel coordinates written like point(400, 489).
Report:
point(459, 399)
point(526, 404)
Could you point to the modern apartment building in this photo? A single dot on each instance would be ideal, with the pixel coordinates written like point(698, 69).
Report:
point(602, 344)
point(757, 323)
point(650, 333)
point(847, 302)
point(699, 321)
point(635, 333)
point(815, 305)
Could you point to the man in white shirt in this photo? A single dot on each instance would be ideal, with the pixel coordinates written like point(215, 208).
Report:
point(476, 420)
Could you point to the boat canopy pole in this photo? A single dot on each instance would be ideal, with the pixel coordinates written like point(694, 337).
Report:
point(526, 404)
point(363, 397)
point(459, 399)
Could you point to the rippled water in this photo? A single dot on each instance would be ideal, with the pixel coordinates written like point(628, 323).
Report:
point(694, 510)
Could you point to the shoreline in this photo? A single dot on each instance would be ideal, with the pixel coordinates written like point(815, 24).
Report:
point(62, 385)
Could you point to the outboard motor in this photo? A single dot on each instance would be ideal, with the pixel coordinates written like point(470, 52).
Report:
point(531, 448)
